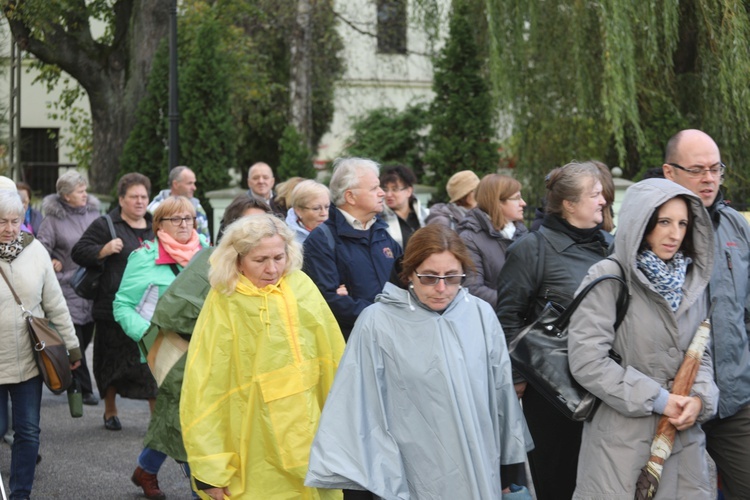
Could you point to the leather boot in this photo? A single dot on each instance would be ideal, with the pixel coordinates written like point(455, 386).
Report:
point(149, 484)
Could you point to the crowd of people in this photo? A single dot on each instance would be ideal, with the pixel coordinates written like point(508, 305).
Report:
point(342, 340)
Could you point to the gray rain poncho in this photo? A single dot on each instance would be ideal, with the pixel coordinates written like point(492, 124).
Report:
point(423, 404)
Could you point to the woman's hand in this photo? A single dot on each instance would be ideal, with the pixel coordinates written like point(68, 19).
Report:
point(217, 493)
point(690, 408)
point(75, 364)
point(114, 246)
point(341, 290)
point(520, 389)
point(56, 265)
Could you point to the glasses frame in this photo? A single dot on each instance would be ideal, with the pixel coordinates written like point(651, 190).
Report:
point(320, 209)
point(513, 198)
point(179, 221)
point(394, 191)
point(433, 280)
point(700, 172)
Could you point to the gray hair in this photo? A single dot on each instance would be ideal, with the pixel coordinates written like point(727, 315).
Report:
point(175, 174)
point(306, 191)
point(69, 181)
point(10, 203)
point(346, 173)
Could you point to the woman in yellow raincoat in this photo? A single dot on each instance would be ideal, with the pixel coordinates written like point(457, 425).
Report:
point(261, 361)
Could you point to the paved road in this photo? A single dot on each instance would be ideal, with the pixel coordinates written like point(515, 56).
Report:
point(83, 460)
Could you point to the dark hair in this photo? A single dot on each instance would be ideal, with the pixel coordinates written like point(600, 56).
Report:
point(395, 173)
point(132, 179)
point(429, 240)
point(237, 207)
point(608, 192)
point(687, 246)
point(22, 186)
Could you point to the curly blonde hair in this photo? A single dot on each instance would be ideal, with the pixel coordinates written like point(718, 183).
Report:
point(239, 239)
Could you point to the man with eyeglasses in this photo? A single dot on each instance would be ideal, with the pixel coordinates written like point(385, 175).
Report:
point(692, 159)
point(182, 183)
point(353, 247)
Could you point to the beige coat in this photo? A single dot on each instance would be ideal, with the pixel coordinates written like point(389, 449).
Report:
point(34, 281)
point(652, 342)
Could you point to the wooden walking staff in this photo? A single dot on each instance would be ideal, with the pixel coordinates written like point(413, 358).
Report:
point(661, 446)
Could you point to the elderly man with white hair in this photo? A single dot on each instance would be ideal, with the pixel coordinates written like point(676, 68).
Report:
point(353, 247)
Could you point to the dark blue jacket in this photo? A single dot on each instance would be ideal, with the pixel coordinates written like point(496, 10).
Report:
point(361, 260)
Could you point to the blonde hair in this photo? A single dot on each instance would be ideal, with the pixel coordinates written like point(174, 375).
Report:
point(169, 207)
point(240, 238)
point(492, 191)
point(306, 191)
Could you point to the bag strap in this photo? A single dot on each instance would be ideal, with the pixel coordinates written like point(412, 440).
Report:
point(623, 300)
point(538, 277)
point(111, 226)
point(15, 296)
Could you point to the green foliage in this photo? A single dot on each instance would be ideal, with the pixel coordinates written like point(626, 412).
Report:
point(207, 136)
point(387, 135)
point(640, 70)
point(295, 160)
point(462, 112)
point(146, 150)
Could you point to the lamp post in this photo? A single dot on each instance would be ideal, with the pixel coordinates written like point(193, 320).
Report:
point(174, 113)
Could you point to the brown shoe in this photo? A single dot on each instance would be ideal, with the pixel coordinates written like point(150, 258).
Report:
point(149, 484)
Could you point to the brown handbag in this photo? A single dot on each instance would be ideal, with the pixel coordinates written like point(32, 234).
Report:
point(50, 352)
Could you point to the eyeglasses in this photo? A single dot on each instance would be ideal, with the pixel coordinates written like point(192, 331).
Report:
point(177, 221)
point(394, 190)
point(515, 198)
point(716, 170)
point(317, 208)
point(432, 280)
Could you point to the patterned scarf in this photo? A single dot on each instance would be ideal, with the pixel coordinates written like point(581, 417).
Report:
point(9, 251)
point(667, 277)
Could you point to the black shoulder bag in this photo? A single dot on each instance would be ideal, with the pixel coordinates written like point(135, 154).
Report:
point(85, 281)
point(540, 353)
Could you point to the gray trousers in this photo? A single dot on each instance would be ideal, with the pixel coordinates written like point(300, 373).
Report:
point(728, 443)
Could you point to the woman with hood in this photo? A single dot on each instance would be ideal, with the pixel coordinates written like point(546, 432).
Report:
point(423, 404)
point(490, 228)
point(664, 244)
point(67, 215)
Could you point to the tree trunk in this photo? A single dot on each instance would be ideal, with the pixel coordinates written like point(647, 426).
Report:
point(301, 72)
point(114, 75)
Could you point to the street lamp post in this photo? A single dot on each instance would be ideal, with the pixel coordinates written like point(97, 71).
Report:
point(174, 113)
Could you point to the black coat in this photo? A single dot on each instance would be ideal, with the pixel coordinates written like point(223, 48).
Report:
point(86, 251)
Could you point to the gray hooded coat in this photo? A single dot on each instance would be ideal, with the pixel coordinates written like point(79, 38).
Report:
point(60, 230)
point(652, 341)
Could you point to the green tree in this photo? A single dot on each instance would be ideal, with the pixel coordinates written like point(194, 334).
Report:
point(637, 71)
point(112, 69)
point(146, 150)
point(462, 111)
point(295, 160)
point(207, 136)
point(387, 135)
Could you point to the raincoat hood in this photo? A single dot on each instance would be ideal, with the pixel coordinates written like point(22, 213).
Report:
point(639, 204)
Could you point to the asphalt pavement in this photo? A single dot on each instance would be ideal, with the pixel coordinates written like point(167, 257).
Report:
point(83, 460)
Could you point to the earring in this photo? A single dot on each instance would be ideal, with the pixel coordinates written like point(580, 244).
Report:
point(411, 285)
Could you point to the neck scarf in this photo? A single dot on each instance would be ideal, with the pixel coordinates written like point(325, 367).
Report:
point(9, 251)
point(509, 230)
point(667, 277)
point(181, 252)
point(577, 234)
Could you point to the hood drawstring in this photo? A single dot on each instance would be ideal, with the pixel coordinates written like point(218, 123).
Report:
point(408, 296)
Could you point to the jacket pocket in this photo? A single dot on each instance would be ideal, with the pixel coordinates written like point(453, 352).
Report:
point(292, 409)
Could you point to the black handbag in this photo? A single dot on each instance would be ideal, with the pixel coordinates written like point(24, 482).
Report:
point(85, 281)
point(540, 353)
point(50, 352)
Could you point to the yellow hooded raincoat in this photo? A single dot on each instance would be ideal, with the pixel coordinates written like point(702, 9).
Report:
point(259, 368)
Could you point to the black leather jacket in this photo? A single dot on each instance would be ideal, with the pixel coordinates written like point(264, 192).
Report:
point(520, 294)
